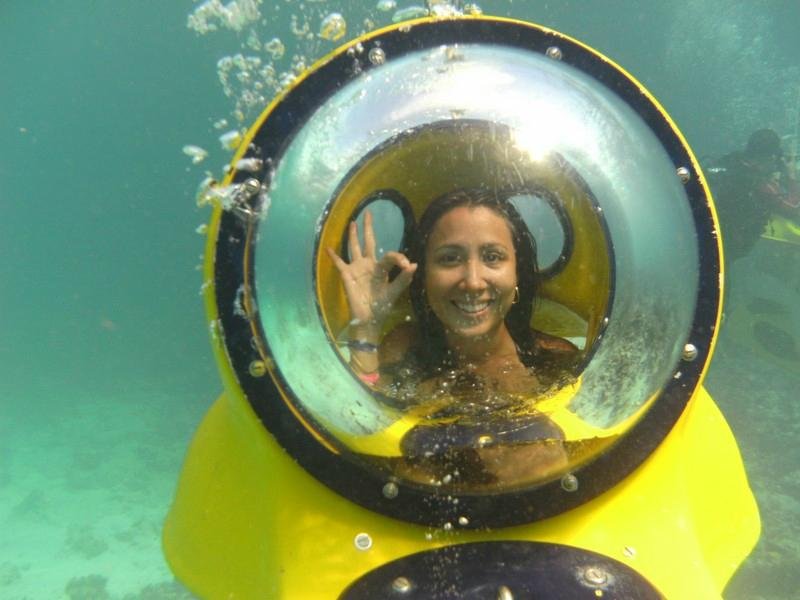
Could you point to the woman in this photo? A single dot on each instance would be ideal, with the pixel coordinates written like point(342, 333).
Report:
point(471, 353)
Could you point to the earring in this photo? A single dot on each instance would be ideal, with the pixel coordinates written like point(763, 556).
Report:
point(516, 295)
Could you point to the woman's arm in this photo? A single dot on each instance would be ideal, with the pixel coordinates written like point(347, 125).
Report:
point(370, 295)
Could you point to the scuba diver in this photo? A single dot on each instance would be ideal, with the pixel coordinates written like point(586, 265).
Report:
point(471, 350)
point(749, 187)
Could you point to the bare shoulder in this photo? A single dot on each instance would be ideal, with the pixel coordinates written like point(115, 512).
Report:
point(551, 343)
point(396, 343)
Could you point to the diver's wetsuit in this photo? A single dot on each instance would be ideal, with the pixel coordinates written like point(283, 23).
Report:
point(746, 197)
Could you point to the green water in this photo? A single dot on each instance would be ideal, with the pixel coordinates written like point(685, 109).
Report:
point(105, 366)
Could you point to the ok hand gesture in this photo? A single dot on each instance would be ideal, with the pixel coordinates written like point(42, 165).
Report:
point(370, 294)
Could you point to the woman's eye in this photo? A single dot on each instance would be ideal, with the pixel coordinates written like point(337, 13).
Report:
point(493, 257)
point(449, 258)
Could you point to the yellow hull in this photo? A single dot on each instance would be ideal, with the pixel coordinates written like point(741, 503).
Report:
point(248, 522)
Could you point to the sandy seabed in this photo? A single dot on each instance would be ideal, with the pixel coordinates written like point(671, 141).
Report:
point(83, 495)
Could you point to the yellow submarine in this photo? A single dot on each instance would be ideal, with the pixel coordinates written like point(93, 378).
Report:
point(294, 485)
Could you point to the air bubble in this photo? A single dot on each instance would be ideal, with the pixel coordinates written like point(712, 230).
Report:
point(253, 42)
point(286, 79)
point(213, 326)
point(230, 140)
point(386, 5)
point(197, 153)
point(442, 8)
point(212, 14)
point(275, 48)
point(206, 192)
point(333, 27)
point(298, 30)
point(251, 165)
point(411, 12)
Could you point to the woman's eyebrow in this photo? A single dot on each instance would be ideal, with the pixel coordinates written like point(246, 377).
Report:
point(448, 247)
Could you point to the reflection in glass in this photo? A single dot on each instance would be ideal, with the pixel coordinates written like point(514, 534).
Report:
point(545, 226)
point(387, 223)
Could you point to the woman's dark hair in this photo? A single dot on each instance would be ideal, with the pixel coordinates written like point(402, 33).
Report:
point(430, 348)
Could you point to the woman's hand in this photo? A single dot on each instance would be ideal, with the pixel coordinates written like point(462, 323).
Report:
point(369, 292)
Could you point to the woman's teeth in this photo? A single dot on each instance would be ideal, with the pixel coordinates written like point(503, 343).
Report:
point(472, 307)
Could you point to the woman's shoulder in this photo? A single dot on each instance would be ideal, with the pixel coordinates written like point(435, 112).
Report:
point(396, 344)
point(553, 344)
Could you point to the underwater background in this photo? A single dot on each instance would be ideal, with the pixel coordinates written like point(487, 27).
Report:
point(105, 364)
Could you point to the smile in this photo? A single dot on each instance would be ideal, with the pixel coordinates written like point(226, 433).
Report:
point(472, 307)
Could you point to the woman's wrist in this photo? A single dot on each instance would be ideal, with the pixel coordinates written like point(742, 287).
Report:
point(362, 345)
point(367, 332)
point(365, 364)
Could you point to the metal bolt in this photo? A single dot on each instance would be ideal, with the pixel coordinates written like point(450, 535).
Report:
point(363, 541)
point(390, 490)
point(257, 368)
point(569, 483)
point(595, 576)
point(401, 585)
point(251, 187)
point(684, 174)
point(689, 352)
point(554, 52)
point(504, 593)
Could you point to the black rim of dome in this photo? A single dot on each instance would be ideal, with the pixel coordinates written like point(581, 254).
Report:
point(351, 479)
point(396, 199)
point(482, 569)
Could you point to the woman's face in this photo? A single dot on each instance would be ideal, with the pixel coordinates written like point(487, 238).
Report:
point(470, 271)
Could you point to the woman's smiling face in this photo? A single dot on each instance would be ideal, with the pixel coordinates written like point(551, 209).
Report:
point(470, 272)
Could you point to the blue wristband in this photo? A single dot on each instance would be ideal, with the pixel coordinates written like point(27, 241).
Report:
point(362, 346)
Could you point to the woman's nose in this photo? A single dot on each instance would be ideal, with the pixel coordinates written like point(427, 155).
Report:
point(473, 279)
